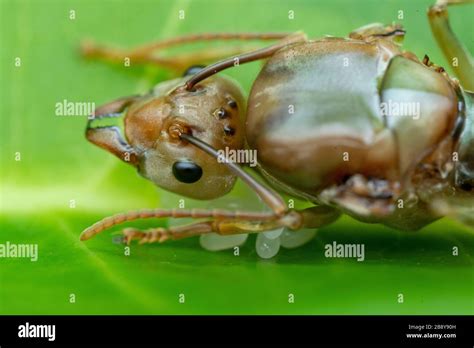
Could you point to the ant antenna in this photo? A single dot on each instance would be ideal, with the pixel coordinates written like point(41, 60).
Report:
point(270, 197)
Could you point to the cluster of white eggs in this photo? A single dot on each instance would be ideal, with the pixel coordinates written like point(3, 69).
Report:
point(267, 243)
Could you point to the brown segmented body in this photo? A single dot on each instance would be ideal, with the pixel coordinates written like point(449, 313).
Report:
point(335, 87)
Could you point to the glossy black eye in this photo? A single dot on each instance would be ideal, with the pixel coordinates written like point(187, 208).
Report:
point(193, 70)
point(187, 172)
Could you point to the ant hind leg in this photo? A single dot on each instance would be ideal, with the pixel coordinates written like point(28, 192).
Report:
point(457, 55)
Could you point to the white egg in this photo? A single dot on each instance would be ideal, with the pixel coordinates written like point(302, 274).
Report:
point(274, 233)
point(293, 239)
point(216, 242)
point(266, 247)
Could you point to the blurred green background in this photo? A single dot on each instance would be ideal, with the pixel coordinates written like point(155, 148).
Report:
point(57, 165)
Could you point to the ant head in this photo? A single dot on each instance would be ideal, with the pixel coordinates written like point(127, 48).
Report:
point(213, 111)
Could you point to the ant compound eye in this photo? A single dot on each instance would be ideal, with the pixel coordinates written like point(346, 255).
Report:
point(187, 171)
point(192, 70)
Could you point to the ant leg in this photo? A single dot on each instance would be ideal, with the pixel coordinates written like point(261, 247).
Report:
point(224, 221)
point(147, 54)
point(109, 137)
point(294, 220)
point(313, 217)
point(215, 214)
point(161, 235)
point(178, 63)
point(453, 49)
point(224, 227)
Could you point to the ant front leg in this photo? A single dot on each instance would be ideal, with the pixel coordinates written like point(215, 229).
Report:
point(224, 227)
point(313, 217)
point(223, 222)
point(161, 234)
point(454, 51)
point(109, 137)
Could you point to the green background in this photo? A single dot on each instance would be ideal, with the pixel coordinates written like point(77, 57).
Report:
point(57, 165)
